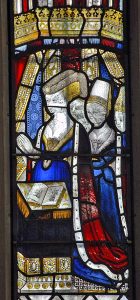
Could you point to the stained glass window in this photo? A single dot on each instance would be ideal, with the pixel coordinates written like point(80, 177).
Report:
point(70, 150)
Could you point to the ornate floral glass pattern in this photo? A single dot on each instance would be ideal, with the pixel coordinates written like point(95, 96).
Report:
point(71, 204)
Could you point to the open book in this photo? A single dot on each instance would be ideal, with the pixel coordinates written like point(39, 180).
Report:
point(44, 194)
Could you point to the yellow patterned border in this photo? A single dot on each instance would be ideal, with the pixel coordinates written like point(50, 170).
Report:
point(113, 64)
point(22, 101)
point(32, 266)
point(30, 71)
point(24, 91)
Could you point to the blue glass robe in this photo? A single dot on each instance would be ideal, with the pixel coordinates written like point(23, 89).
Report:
point(107, 194)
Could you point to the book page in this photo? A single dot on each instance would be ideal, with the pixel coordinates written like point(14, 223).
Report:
point(52, 195)
point(37, 193)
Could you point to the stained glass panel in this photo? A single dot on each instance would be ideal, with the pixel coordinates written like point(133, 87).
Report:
point(70, 151)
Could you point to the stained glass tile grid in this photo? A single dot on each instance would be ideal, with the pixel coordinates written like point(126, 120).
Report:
point(46, 184)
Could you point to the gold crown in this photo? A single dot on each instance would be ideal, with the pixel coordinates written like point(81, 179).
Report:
point(25, 26)
point(93, 21)
point(90, 13)
point(113, 25)
point(43, 16)
point(66, 22)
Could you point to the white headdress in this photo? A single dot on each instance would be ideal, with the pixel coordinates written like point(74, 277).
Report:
point(101, 93)
point(64, 87)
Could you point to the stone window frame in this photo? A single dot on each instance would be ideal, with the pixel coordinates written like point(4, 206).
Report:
point(5, 212)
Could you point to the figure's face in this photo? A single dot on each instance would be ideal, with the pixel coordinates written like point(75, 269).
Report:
point(56, 99)
point(120, 121)
point(78, 113)
point(96, 113)
point(77, 109)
